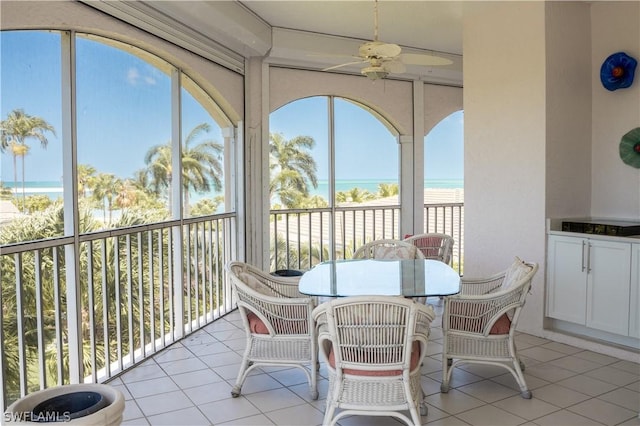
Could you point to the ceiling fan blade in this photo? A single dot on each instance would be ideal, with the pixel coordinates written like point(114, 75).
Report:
point(394, 67)
point(377, 49)
point(419, 59)
point(343, 65)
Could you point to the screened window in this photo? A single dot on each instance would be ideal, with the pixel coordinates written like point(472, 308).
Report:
point(124, 103)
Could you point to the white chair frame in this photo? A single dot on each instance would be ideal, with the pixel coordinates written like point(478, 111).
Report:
point(367, 251)
point(444, 248)
point(287, 343)
point(467, 321)
point(386, 327)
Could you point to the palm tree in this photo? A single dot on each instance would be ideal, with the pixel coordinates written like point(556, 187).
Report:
point(85, 174)
point(16, 130)
point(354, 195)
point(201, 165)
point(292, 168)
point(387, 189)
point(105, 187)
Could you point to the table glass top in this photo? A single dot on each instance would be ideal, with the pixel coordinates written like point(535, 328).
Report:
point(357, 277)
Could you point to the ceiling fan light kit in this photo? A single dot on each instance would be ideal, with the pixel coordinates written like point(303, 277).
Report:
point(374, 73)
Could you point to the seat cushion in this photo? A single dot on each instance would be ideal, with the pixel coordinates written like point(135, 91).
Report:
point(516, 272)
point(501, 326)
point(255, 284)
point(256, 325)
point(415, 358)
point(394, 253)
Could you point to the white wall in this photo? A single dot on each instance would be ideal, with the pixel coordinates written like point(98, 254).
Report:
point(615, 185)
point(568, 91)
point(504, 105)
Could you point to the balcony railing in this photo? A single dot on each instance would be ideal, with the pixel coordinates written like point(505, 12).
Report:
point(128, 293)
point(302, 238)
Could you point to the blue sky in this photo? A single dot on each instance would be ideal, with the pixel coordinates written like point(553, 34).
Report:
point(123, 110)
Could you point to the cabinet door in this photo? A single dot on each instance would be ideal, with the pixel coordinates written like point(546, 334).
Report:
point(567, 279)
point(634, 306)
point(609, 275)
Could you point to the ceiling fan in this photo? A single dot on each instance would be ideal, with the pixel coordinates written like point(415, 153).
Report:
point(383, 59)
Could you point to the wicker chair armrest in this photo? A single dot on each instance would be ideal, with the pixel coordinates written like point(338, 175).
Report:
point(472, 287)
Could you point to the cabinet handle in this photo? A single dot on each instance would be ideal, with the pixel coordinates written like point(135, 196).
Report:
point(589, 258)
point(582, 264)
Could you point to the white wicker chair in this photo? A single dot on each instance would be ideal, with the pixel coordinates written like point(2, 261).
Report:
point(434, 246)
point(278, 323)
point(479, 323)
point(387, 249)
point(374, 347)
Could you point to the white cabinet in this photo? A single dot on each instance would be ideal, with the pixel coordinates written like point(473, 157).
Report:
point(589, 282)
point(634, 307)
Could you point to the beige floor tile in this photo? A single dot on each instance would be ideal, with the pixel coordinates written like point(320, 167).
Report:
point(229, 410)
point(429, 385)
point(459, 377)
point(597, 357)
point(259, 383)
point(623, 397)
point(448, 421)
point(174, 353)
point(541, 354)
point(183, 366)
point(588, 385)
point(196, 378)
point(529, 409)
point(549, 372)
point(300, 415)
point(559, 395)
point(575, 364)
point(565, 418)
point(151, 387)
point(602, 411)
point(613, 375)
point(561, 347)
point(508, 380)
point(632, 367)
point(189, 416)
point(488, 415)
point(209, 393)
point(149, 370)
point(259, 420)
point(290, 377)
point(274, 399)
point(487, 391)
point(163, 403)
point(454, 401)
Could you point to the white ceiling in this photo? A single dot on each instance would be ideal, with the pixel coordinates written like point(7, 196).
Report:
point(429, 25)
point(305, 33)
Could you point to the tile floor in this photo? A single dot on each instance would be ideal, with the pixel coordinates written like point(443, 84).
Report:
point(189, 383)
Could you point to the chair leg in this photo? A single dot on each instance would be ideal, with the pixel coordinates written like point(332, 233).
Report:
point(242, 373)
point(524, 390)
point(446, 373)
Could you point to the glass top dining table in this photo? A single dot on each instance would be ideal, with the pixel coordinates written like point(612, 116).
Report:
point(360, 277)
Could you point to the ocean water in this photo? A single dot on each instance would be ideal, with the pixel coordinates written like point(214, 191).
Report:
point(54, 190)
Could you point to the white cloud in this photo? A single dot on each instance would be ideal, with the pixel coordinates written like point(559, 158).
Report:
point(133, 76)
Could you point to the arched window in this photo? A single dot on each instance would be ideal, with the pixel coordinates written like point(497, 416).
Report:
point(341, 158)
point(113, 117)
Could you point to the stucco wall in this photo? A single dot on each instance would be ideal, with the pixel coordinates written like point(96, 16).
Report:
point(504, 104)
point(568, 92)
point(615, 185)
